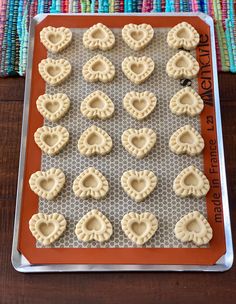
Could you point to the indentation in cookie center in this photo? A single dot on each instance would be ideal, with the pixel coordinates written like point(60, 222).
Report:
point(52, 106)
point(186, 99)
point(183, 33)
point(139, 141)
point(54, 38)
point(187, 138)
point(51, 139)
point(46, 228)
point(138, 184)
point(139, 228)
point(97, 103)
point(137, 35)
point(54, 70)
point(93, 224)
point(182, 62)
point(98, 34)
point(47, 184)
point(99, 66)
point(137, 68)
point(90, 181)
point(191, 180)
point(139, 104)
point(94, 139)
point(193, 226)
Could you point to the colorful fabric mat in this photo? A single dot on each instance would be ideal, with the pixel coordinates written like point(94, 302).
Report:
point(15, 16)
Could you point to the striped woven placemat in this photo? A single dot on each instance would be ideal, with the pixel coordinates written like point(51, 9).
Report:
point(15, 16)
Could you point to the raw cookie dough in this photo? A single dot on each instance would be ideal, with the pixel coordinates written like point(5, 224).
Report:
point(51, 140)
point(138, 69)
point(53, 107)
point(183, 35)
point(138, 142)
point(139, 105)
point(98, 68)
point(193, 227)
point(182, 65)
point(94, 140)
point(137, 36)
point(54, 71)
point(94, 226)
point(91, 183)
point(55, 39)
point(139, 228)
point(47, 184)
point(138, 184)
point(99, 37)
point(47, 228)
point(191, 181)
point(186, 140)
point(97, 105)
point(186, 101)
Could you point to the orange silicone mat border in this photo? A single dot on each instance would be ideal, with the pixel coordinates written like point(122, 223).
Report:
point(29, 204)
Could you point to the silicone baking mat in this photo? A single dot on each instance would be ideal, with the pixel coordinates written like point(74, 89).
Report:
point(163, 248)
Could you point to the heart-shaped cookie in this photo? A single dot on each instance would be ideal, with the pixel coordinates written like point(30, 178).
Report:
point(47, 228)
point(186, 140)
point(137, 36)
point(186, 101)
point(97, 105)
point(193, 227)
point(139, 228)
point(138, 69)
point(182, 65)
point(47, 184)
point(138, 142)
point(94, 140)
point(94, 226)
point(183, 35)
point(55, 39)
point(191, 181)
point(139, 105)
point(99, 37)
point(91, 183)
point(51, 140)
point(98, 68)
point(53, 107)
point(54, 71)
point(138, 184)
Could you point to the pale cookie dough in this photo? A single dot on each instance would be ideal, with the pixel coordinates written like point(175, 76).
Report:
point(94, 140)
point(94, 226)
point(191, 181)
point(138, 69)
point(55, 39)
point(47, 228)
point(139, 228)
point(186, 101)
point(98, 68)
point(193, 227)
point(97, 105)
point(54, 71)
point(99, 37)
point(53, 107)
point(186, 140)
point(138, 142)
point(138, 184)
point(139, 105)
point(183, 35)
point(90, 183)
point(182, 65)
point(47, 184)
point(51, 140)
point(137, 36)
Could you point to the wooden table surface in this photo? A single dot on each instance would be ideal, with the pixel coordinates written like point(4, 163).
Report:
point(103, 288)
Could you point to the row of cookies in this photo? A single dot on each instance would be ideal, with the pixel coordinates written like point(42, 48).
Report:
point(139, 228)
point(138, 185)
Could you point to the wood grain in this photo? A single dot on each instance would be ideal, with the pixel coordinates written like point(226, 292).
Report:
point(103, 288)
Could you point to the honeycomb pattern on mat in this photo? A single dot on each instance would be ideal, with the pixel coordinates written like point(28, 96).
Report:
point(166, 165)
